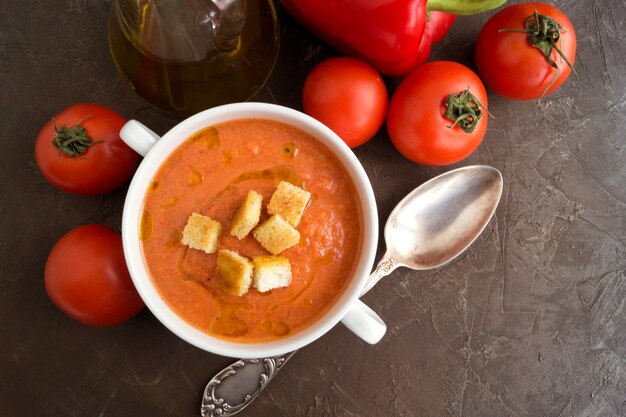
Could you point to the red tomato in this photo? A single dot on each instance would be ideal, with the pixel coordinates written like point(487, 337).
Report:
point(348, 96)
point(106, 163)
point(86, 277)
point(510, 65)
point(417, 122)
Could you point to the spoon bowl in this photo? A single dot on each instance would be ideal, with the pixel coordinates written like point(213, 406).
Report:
point(434, 224)
point(441, 218)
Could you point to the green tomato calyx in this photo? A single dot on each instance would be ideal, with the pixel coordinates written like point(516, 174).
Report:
point(72, 141)
point(464, 110)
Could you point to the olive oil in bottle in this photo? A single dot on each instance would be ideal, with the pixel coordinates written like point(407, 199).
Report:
point(184, 56)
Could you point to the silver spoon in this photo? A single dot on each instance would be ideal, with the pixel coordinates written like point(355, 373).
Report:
point(431, 226)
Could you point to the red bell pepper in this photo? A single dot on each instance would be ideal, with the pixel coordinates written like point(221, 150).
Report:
point(438, 24)
point(392, 35)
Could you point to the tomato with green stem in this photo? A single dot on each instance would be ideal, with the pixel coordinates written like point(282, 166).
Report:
point(438, 114)
point(526, 51)
point(80, 151)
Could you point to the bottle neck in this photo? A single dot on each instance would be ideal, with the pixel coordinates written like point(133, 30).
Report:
point(228, 21)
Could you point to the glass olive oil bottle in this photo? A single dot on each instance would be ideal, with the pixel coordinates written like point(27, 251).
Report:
point(184, 56)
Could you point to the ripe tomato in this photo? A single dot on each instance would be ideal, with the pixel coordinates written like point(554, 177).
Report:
point(105, 162)
point(417, 122)
point(86, 277)
point(510, 65)
point(348, 96)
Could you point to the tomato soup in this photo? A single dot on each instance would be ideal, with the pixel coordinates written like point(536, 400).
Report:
point(210, 174)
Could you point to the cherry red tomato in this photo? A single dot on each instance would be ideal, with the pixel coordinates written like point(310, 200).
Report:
point(86, 277)
point(348, 96)
point(106, 163)
point(417, 122)
point(510, 65)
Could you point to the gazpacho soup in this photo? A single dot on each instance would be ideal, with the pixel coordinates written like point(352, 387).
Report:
point(251, 230)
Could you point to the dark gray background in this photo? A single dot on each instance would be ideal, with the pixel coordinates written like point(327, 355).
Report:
point(529, 322)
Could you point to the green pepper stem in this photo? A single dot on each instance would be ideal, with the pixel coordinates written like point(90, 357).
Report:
point(463, 7)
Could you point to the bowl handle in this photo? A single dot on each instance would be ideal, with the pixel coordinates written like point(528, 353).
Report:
point(364, 322)
point(138, 137)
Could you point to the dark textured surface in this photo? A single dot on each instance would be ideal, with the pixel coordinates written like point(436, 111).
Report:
point(530, 321)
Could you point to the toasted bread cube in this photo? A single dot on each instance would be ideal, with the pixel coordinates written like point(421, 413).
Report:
point(247, 216)
point(233, 272)
point(276, 234)
point(289, 201)
point(271, 272)
point(201, 232)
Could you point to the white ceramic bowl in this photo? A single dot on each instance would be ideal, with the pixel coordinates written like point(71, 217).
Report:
point(156, 150)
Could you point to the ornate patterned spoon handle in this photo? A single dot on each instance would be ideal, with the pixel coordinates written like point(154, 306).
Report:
point(226, 397)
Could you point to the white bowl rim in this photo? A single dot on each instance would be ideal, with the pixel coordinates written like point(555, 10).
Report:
point(134, 203)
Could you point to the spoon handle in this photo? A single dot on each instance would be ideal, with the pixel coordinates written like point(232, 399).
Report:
point(237, 385)
point(383, 268)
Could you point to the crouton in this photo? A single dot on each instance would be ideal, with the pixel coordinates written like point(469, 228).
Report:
point(276, 234)
point(247, 216)
point(271, 272)
point(289, 201)
point(233, 272)
point(201, 233)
